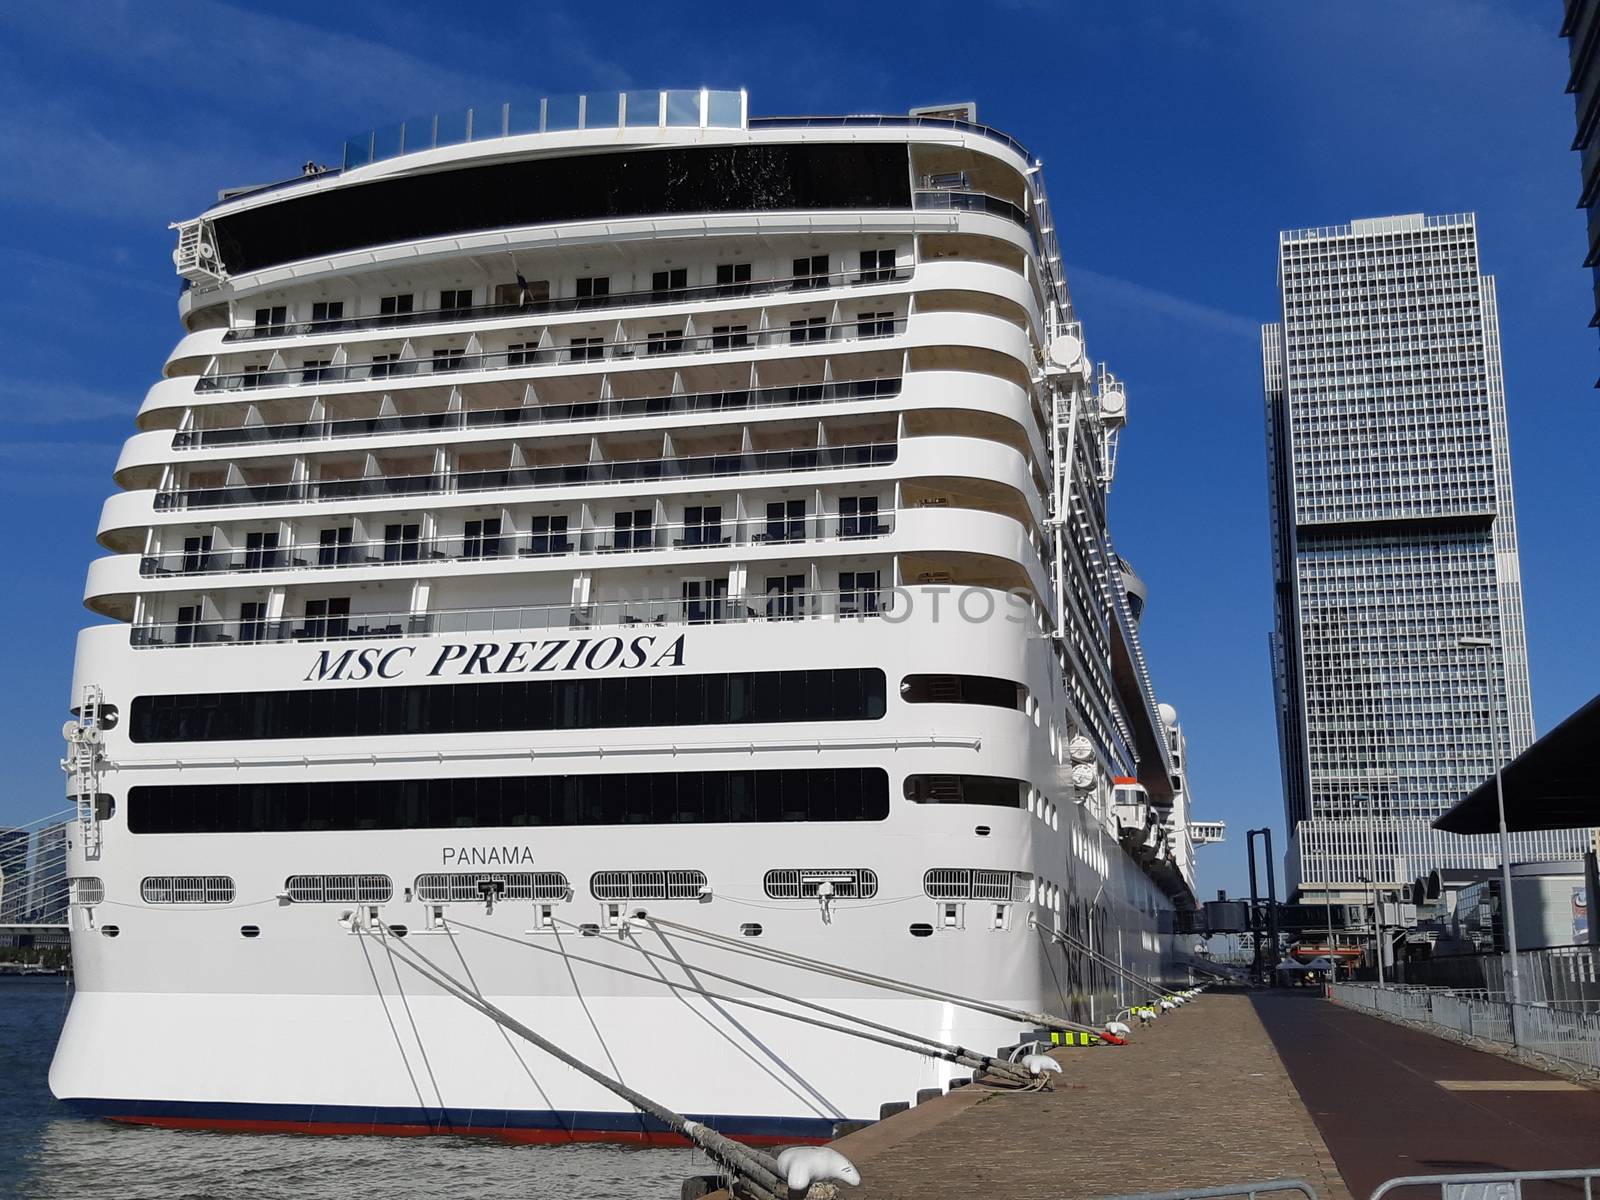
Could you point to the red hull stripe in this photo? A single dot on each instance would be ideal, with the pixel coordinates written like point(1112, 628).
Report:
point(506, 1125)
point(521, 1136)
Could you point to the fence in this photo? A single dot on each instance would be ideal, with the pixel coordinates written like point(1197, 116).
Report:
point(1565, 977)
point(1569, 1035)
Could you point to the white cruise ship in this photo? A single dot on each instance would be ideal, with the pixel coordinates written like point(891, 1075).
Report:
point(608, 547)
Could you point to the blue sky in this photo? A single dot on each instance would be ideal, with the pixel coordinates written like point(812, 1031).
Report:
point(1178, 138)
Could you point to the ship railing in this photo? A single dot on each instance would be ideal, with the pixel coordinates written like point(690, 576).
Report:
point(614, 409)
point(402, 551)
point(980, 202)
point(637, 615)
point(579, 351)
point(543, 306)
point(669, 108)
point(693, 466)
point(891, 121)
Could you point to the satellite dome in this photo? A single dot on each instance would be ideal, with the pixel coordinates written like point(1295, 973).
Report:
point(1169, 715)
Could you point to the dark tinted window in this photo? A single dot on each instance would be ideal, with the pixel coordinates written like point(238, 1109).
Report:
point(746, 697)
point(638, 183)
point(962, 689)
point(993, 790)
point(703, 797)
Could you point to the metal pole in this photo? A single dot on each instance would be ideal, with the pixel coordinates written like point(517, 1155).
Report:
point(1508, 904)
point(1255, 901)
point(1372, 883)
point(1327, 906)
point(1272, 901)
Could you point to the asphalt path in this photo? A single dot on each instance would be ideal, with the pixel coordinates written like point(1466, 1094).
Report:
point(1392, 1101)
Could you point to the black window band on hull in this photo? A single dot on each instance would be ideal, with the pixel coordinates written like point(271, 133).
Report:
point(963, 689)
point(585, 187)
point(737, 698)
point(996, 791)
point(497, 802)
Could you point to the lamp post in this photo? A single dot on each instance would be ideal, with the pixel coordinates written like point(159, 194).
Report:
point(1377, 917)
point(1508, 905)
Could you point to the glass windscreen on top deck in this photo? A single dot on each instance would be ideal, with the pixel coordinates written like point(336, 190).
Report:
point(634, 183)
point(691, 108)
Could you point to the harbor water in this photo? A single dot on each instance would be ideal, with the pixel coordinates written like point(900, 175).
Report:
point(47, 1152)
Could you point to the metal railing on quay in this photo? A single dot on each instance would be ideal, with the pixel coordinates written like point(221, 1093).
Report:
point(1247, 1191)
point(1567, 1035)
point(665, 344)
point(733, 400)
point(775, 285)
point(1492, 1185)
point(1560, 976)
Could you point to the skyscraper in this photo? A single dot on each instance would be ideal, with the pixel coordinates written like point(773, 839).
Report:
point(14, 897)
point(48, 893)
point(1580, 25)
point(1394, 538)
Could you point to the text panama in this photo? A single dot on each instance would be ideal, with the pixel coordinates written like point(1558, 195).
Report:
point(549, 656)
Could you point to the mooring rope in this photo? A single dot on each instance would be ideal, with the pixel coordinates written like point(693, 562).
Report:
point(1047, 1020)
point(750, 1164)
point(927, 1047)
point(1131, 976)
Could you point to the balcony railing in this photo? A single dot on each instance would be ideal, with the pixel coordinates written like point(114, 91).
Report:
point(665, 344)
point(696, 466)
point(890, 121)
point(664, 611)
point(542, 414)
point(995, 206)
point(699, 535)
point(573, 304)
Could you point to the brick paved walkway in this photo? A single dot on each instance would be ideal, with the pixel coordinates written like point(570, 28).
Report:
point(1199, 1098)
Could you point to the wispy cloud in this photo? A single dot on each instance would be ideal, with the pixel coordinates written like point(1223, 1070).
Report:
point(308, 85)
point(53, 402)
point(33, 467)
point(1126, 293)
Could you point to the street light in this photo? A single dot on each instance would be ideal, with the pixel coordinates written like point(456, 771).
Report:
point(1509, 905)
point(1370, 804)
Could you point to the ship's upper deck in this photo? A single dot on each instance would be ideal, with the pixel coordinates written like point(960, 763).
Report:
point(586, 159)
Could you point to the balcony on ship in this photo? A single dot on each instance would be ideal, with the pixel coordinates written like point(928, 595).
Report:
point(777, 448)
point(692, 602)
point(546, 535)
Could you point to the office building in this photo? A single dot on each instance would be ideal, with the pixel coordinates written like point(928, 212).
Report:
point(1580, 25)
point(1394, 538)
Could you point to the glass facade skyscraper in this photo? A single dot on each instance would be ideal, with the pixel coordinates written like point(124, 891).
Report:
point(1394, 537)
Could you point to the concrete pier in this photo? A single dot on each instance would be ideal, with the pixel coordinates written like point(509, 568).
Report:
point(1235, 1088)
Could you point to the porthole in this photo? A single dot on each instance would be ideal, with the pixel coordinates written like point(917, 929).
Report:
point(109, 931)
point(750, 929)
point(921, 929)
point(398, 930)
point(589, 930)
point(250, 931)
point(981, 830)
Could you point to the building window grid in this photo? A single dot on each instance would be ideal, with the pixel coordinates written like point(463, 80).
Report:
point(1387, 379)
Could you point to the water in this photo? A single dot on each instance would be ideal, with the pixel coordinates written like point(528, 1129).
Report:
point(49, 1153)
